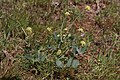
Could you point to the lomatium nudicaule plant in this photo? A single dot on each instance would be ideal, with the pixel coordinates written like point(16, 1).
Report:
point(59, 39)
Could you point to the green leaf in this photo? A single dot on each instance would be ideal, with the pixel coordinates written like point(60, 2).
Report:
point(39, 57)
point(59, 63)
point(43, 58)
point(74, 50)
point(77, 49)
point(28, 56)
point(69, 62)
point(75, 63)
point(83, 49)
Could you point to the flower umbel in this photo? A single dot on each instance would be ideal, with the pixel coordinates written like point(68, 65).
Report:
point(29, 30)
point(81, 30)
point(83, 43)
point(67, 13)
point(59, 52)
point(49, 29)
point(87, 7)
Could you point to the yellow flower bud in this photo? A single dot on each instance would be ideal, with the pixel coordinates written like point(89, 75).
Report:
point(88, 8)
point(83, 43)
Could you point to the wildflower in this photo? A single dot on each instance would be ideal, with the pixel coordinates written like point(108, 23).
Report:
point(49, 29)
point(59, 52)
point(88, 8)
point(83, 43)
point(29, 30)
point(67, 13)
point(81, 30)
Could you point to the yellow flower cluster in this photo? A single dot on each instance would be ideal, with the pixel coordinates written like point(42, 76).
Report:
point(49, 29)
point(67, 13)
point(81, 30)
point(83, 43)
point(87, 7)
point(29, 30)
point(59, 52)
